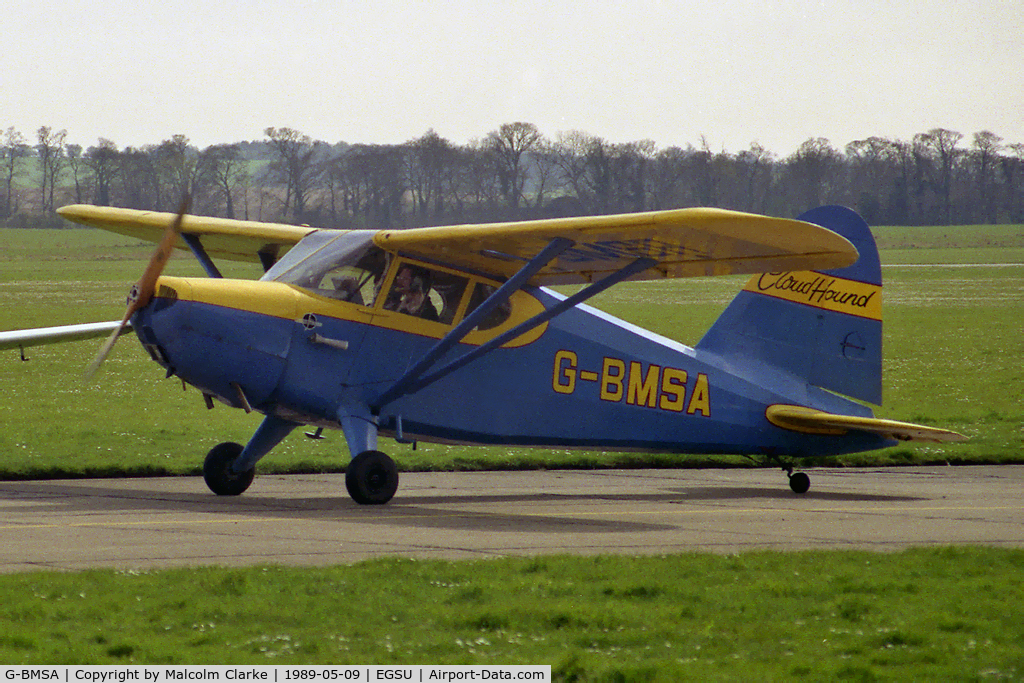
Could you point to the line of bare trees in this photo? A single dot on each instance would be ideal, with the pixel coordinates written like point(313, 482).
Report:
point(514, 172)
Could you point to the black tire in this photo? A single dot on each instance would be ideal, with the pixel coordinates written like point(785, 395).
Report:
point(217, 470)
point(371, 478)
point(799, 482)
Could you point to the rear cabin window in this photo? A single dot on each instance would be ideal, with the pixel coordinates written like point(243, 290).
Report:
point(497, 316)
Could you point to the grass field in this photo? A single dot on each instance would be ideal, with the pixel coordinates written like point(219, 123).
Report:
point(922, 614)
point(952, 347)
point(965, 244)
point(953, 343)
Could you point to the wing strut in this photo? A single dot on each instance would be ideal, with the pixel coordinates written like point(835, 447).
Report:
point(513, 284)
point(200, 253)
point(411, 385)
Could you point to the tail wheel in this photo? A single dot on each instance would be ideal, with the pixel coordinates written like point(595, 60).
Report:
point(799, 482)
point(371, 478)
point(217, 470)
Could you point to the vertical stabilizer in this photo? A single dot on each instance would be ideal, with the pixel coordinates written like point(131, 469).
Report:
point(823, 326)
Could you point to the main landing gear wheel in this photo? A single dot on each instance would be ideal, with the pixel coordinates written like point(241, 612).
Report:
point(217, 470)
point(799, 482)
point(371, 478)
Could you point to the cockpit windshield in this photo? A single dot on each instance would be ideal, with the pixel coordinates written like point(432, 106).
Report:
point(342, 265)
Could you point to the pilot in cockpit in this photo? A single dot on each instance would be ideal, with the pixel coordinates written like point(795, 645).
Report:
point(409, 293)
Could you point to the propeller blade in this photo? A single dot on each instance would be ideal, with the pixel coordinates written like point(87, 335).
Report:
point(146, 285)
point(142, 291)
point(90, 372)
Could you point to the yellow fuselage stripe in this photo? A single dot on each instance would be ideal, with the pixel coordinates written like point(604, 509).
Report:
point(289, 302)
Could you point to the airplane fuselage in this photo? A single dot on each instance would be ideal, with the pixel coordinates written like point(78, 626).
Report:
point(582, 380)
point(447, 334)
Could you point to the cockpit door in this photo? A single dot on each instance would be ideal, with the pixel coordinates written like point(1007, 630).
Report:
point(338, 274)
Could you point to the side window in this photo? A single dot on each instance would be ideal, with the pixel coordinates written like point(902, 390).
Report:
point(425, 293)
point(496, 316)
point(355, 282)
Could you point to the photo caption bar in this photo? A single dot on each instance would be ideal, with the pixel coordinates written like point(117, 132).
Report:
point(418, 673)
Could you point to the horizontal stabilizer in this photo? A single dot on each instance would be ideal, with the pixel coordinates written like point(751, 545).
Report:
point(810, 421)
point(55, 335)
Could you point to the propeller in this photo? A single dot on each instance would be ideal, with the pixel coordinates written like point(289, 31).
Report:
point(142, 291)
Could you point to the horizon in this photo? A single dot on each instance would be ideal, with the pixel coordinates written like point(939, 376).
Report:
point(964, 143)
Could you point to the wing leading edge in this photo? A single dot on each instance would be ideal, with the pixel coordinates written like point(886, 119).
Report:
point(14, 339)
point(221, 237)
point(683, 242)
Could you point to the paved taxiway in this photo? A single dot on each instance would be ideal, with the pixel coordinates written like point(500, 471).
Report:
point(297, 519)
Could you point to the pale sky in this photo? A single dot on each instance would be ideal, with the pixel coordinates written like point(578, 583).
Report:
point(773, 72)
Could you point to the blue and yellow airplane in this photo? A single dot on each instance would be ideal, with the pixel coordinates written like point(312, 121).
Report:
point(451, 335)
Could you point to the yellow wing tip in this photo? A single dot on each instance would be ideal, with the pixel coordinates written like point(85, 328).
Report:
point(75, 212)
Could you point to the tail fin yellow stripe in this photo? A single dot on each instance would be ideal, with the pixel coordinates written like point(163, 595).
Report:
point(821, 291)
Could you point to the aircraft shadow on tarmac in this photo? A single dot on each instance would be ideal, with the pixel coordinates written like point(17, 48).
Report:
point(420, 511)
point(66, 499)
point(751, 493)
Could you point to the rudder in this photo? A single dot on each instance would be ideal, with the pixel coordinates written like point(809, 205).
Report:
point(823, 326)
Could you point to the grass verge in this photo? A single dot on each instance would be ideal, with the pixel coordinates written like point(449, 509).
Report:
point(921, 614)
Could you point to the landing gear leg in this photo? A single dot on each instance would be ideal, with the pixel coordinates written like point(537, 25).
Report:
point(229, 468)
point(372, 477)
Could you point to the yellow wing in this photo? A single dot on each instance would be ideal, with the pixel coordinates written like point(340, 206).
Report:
point(810, 421)
point(684, 242)
point(220, 237)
